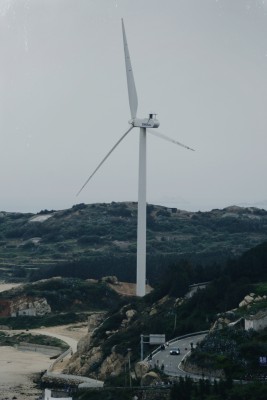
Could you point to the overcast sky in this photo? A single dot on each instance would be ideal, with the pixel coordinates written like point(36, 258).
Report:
point(201, 65)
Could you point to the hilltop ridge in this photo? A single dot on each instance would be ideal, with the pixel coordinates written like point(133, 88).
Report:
point(100, 239)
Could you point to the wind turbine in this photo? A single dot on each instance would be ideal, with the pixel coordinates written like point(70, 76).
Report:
point(144, 125)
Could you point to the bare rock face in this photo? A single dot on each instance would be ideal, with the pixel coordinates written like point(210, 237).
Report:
point(31, 306)
point(82, 364)
point(86, 363)
point(112, 365)
point(141, 368)
point(94, 320)
point(220, 323)
point(110, 279)
point(250, 299)
point(42, 307)
point(151, 379)
point(159, 303)
point(129, 315)
point(89, 359)
point(258, 298)
point(178, 302)
point(153, 311)
point(84, 344)
point(242, 304)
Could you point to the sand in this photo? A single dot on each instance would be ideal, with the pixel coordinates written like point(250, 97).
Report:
point(17, 368)
point(8, 286)
point(16, 373)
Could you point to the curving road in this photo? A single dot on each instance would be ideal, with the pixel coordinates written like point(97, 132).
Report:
point(171, 364)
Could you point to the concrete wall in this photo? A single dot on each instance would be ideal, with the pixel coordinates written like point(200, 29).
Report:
point(30, 312)
point(257, 324)
point(48, 396)
point(48, 350)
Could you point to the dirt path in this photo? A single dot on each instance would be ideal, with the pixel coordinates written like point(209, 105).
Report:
point(8, 286)
point(127, 289)
point(70, 334)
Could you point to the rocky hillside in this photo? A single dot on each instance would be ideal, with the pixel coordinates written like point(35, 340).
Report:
point(90, 241)
point(228, 300)
point(57, 301)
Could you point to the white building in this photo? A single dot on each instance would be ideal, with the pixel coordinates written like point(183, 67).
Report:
point(30, 312)
point(257, 321)
point(194, 288)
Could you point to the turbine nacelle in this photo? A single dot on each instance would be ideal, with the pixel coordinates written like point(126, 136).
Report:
point(150, 122)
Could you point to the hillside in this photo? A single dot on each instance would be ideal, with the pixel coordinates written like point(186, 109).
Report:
point(90, 241)
point(102, 353)
point(167, 310)
point(56, 301)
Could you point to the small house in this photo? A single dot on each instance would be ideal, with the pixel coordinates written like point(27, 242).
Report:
point(257, 322)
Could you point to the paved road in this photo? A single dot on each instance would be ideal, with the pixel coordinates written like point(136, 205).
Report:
point(172, 362)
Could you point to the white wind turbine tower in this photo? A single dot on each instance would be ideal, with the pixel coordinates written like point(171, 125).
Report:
point(143, 124)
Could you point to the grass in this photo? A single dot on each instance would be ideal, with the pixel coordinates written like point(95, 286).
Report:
point(36, 322)
point(9, 339)
point(261, 288)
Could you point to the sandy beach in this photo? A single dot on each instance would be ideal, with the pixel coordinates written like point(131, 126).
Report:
point(18, 368)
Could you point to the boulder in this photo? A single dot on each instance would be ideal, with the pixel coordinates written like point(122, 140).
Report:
point(258, 298)
point(249, 299)
point(151, 379)
point(130, 314)
point(84, 344)
point(242, 303)
point(110, 279)
point(112, 365)
point(141, 368)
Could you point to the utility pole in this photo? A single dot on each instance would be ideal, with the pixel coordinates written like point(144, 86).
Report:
point(129, 360)
point(142, 345)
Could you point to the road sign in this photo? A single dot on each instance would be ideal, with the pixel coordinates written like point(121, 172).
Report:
point(156, 339)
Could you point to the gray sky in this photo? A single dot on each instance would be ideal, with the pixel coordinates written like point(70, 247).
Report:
point(201, 65)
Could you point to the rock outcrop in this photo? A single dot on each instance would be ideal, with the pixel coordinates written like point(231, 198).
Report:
point(30, 306)
point(250, 299)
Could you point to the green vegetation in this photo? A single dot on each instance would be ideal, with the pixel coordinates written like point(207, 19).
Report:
point(46, 320)
point(236, 352)
point(89, 241)
point(260, 288)
point(183, 389)
point(68, 293)
point(186, 389)
point(106, 393)
point(9, 339)
point(165, 311)
point(75, 295)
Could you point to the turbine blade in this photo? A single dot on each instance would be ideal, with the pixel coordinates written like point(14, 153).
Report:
point(160, 135)
point(104, 159)
point(133, 101)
